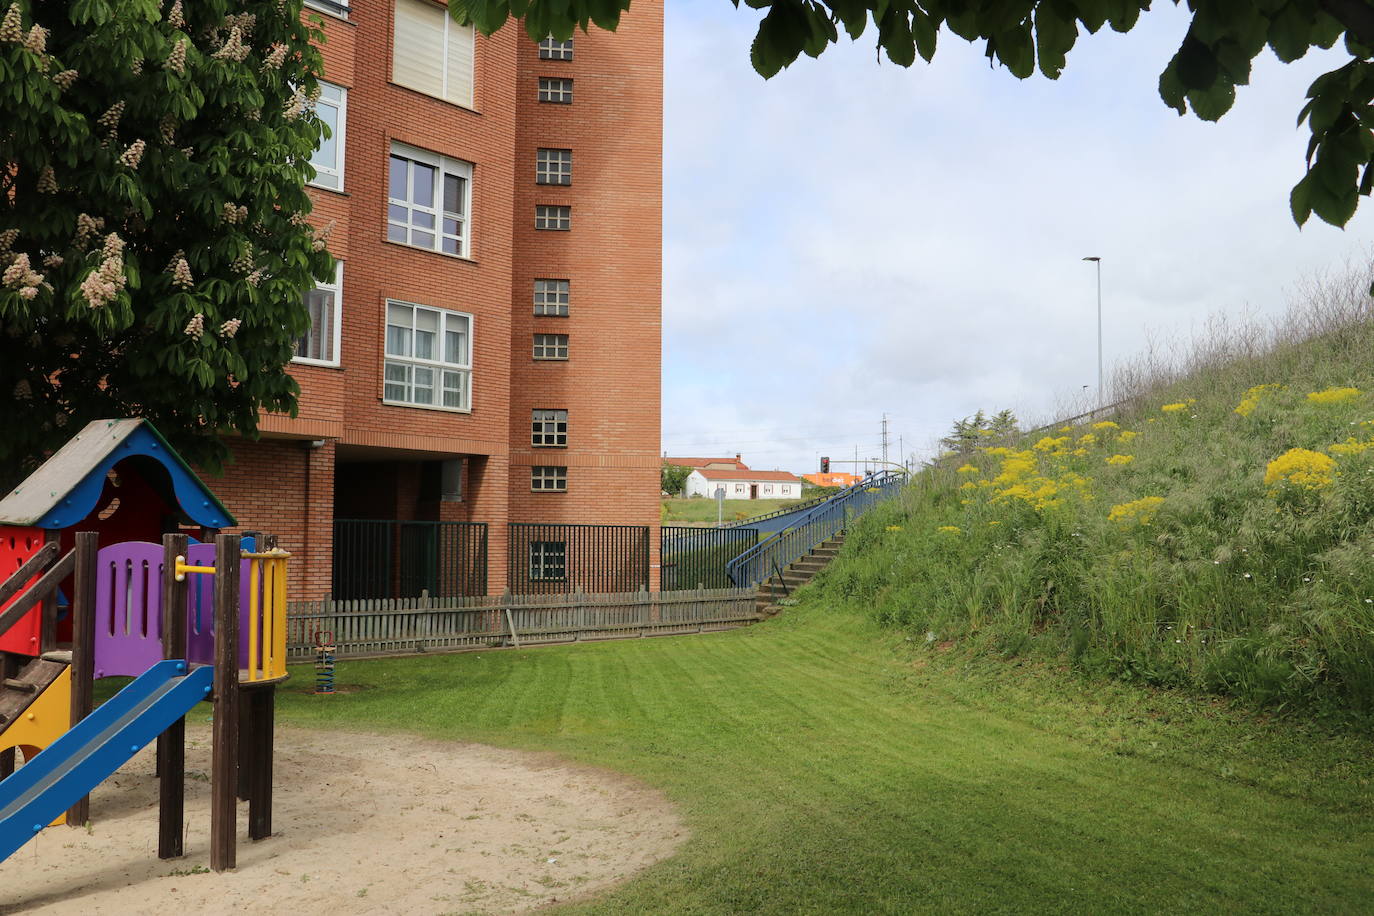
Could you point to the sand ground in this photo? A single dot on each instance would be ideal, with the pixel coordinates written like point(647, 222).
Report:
point(362, 824)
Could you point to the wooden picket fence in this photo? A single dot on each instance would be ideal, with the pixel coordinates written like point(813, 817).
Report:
point(407, 625)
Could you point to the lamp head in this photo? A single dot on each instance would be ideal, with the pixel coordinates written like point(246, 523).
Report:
point(1092, 259)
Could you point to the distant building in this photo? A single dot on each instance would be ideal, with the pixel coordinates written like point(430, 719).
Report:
point(716, 464)
point(744, 484)
point(836, 479)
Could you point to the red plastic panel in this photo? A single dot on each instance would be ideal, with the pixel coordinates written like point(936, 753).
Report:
point(16, 546)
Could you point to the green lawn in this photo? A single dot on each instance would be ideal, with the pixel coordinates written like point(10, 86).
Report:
point(825, 767)
point(703, 511)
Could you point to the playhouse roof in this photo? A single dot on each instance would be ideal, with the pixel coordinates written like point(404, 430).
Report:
point(66, 488)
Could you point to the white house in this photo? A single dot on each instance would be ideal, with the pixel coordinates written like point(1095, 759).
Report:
point(744, 484)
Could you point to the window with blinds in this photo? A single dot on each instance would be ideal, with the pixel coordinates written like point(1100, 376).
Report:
point(432, 53)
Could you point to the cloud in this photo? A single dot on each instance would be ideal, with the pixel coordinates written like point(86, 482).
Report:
point(852, 238)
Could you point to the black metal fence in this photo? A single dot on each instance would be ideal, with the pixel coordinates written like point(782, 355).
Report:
point(550, 559)
point(406, 559)
point(696, 557)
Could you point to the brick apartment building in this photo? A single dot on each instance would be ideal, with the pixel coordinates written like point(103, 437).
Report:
point(488, 357)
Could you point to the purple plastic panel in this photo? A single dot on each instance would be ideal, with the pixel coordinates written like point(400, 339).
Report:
point(128, 609)
point(128, 628)
point(200, 606)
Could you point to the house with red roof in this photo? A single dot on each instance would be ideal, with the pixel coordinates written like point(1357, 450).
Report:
point(743, 484)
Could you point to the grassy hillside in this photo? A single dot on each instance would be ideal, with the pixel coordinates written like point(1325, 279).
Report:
point(1218, 534)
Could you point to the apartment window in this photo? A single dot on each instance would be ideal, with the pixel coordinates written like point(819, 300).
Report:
point(767, 488)
point(328, 159)
point(553, 49)
point(330, 7)
point(432, 53)
point(549, 428)
point(739, 488)
point(548, 561)
point(553, 166)
point(555, 90)
point(547, 217)
point(320, 344)
point(428, 200)
point(551, 298)
point(551, 346)
point(548, 479)
point(428, 357)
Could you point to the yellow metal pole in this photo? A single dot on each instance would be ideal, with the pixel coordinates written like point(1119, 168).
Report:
point(279, 613)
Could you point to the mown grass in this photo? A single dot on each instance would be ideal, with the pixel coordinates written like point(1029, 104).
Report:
point(825, 764)
point(1164, 546)
point(703, 511)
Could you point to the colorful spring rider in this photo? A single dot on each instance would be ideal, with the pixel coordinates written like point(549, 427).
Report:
point(324, 662)
point(190, 622)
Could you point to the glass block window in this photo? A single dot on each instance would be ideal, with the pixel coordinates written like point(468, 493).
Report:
point(549, 561)
point(328, 159)
point(553, 166)
point(428, 357)
point(558, 91)
point(547, 217)
point(428, 200)
point(320, 344)
point(549, 428)
point(551, 346)
point(551, 298)
point(553, 49)
point(548, 479)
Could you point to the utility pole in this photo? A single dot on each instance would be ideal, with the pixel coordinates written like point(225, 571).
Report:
point(884, 438)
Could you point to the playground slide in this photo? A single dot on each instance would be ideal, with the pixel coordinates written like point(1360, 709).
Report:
point(89, 754)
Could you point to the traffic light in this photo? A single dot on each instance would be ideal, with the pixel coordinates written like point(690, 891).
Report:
point(825, 465)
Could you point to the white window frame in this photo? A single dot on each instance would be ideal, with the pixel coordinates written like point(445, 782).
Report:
point(444, 167)
point(552, 345)
point(553, 166)
point(552, 297)
point(334, 334)
point(544, 428)
point(553, 49)
point(541, 552)
point(437, 366)
point(557, 480)
point(555, 90)
point(553, 217)
point(452, 31)
point(324, 174)
point(339, 10)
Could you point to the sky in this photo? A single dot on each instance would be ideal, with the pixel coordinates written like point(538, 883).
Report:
point(852, 239)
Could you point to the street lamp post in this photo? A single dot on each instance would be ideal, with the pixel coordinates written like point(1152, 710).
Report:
point(1098, 262)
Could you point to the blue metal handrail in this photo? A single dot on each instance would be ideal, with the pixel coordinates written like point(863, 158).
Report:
point(817, 525)
point(786, 510)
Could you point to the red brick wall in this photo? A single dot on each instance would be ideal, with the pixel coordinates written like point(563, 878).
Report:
point(613, 256)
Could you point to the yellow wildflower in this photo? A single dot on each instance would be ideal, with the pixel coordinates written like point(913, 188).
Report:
point(1127, 435)
point(1121, 459)
point(1300, 467)
point(1252, 398)
point(1105, 424)
point(949, 529)
point(993, 523)
point(1087, 439)
point(998, 451)
point(1140, 510)
point(968, 485)
point(1066, 429)
point(1175, 408)
point(968, 469)
point(894, 527)
point(1079, 452)
point(1049, 444)
point(1333, 395)
point(1350, 446)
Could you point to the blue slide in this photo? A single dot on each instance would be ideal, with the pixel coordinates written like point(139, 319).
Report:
point(101, 743)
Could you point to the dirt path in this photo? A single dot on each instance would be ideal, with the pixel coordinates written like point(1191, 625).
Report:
point(363, 824)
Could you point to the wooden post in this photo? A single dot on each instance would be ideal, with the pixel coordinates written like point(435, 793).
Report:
point(262, 701)
point(83, 646)
point(171, 744)
point(9, 667)
point(225, 742)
